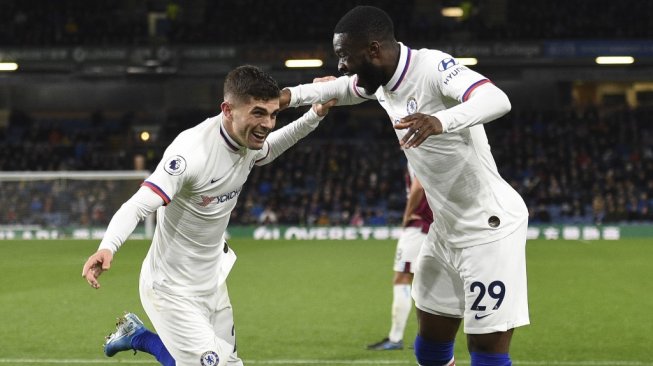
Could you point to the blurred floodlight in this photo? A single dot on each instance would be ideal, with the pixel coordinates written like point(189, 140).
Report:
point(614, 60)
point(452, 12)
point(312, 62)
point(8, 66)
point(468, 61)
point(145, 136)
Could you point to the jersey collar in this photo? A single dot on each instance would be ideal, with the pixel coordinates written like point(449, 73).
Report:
point(231, 144)
point(402, 68)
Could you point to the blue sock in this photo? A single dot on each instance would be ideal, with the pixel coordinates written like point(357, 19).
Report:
point(433, 353)
point(490, 359)
point(151, 343)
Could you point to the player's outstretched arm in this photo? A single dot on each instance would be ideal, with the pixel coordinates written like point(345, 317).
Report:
point(282, 139)
point(95, 265)
point(323, 108)
point(343, 89)
point(122, 224)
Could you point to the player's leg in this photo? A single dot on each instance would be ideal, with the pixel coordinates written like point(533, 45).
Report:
point(440, 302)
point(402, 303)
point(406, 253)
point(496, 297)
point(222, 320)
point(131, 334)
point(151, 343)
point(184, 327)
point(435, 339)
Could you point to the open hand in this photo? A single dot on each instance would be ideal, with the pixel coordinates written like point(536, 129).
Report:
point(420, 126)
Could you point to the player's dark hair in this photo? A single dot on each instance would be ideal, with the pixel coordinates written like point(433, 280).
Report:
point(248, 81)
point(366, 23)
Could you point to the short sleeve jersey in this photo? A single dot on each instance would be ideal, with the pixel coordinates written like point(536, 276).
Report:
point(199, 179)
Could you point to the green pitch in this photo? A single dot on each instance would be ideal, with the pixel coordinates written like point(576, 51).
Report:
point(321, 302)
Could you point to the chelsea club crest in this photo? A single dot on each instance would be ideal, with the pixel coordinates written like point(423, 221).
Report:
point(209, 358)
point(411, 106)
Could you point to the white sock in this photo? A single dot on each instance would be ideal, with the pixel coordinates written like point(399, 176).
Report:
point(401, 305)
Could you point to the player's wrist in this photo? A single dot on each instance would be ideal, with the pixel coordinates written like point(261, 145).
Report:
point(108, 246)
point(441, 118)
point(313, 114)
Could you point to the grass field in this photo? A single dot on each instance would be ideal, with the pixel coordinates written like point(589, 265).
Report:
point(320, 302)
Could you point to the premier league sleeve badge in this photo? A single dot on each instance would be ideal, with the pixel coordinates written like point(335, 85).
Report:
point(175, 165)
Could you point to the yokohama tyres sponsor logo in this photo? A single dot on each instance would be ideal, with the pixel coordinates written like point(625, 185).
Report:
point(207, 200)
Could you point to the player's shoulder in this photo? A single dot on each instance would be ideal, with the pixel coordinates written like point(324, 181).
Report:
point(191, 145)
point(195, 137)
point(431, 60)
point(430, 56)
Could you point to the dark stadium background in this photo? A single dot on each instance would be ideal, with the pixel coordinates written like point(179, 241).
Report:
point(93, 75)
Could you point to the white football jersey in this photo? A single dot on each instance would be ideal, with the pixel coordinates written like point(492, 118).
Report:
point(470, 201)
point(199, 179)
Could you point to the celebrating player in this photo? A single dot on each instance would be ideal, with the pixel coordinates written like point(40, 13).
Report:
point(472, 265)
point(417, 219)
point(194, 189)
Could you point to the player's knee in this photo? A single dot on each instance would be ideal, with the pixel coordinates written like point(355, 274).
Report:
point(429, 353)
point(498, 342)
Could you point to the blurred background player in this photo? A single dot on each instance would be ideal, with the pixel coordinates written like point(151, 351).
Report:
point(417, 219)
point(473, 264)
point(194, 190)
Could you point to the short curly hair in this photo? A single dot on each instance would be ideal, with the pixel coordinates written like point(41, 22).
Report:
point(367, 23)
point(249, 81)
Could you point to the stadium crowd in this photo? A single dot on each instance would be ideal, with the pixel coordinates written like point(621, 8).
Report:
point(58, 203)
point(126, 22)
point(589, 165)
point(575, 165)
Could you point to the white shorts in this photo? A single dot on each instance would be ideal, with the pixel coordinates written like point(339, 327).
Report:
point(196, 330)
point(408, 245)
point(484, 284)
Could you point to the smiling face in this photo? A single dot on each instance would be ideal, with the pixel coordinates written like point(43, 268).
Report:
point(250, 121)
point(361, 59)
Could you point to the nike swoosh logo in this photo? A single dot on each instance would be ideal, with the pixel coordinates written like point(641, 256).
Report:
point(479, 317)
point(214, 180)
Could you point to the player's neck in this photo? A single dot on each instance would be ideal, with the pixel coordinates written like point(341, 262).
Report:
point(391, 60)
point(229, 129)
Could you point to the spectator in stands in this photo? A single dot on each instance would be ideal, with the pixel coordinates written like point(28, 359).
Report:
point(268, 216)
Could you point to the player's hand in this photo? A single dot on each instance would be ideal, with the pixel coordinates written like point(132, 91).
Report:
point(284, 98)
point(323, 109)
point(409, 218)
point(420, 126)
point(95, 265)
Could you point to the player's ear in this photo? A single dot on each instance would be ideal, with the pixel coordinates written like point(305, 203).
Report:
point(226, 109)
point(374, 49)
